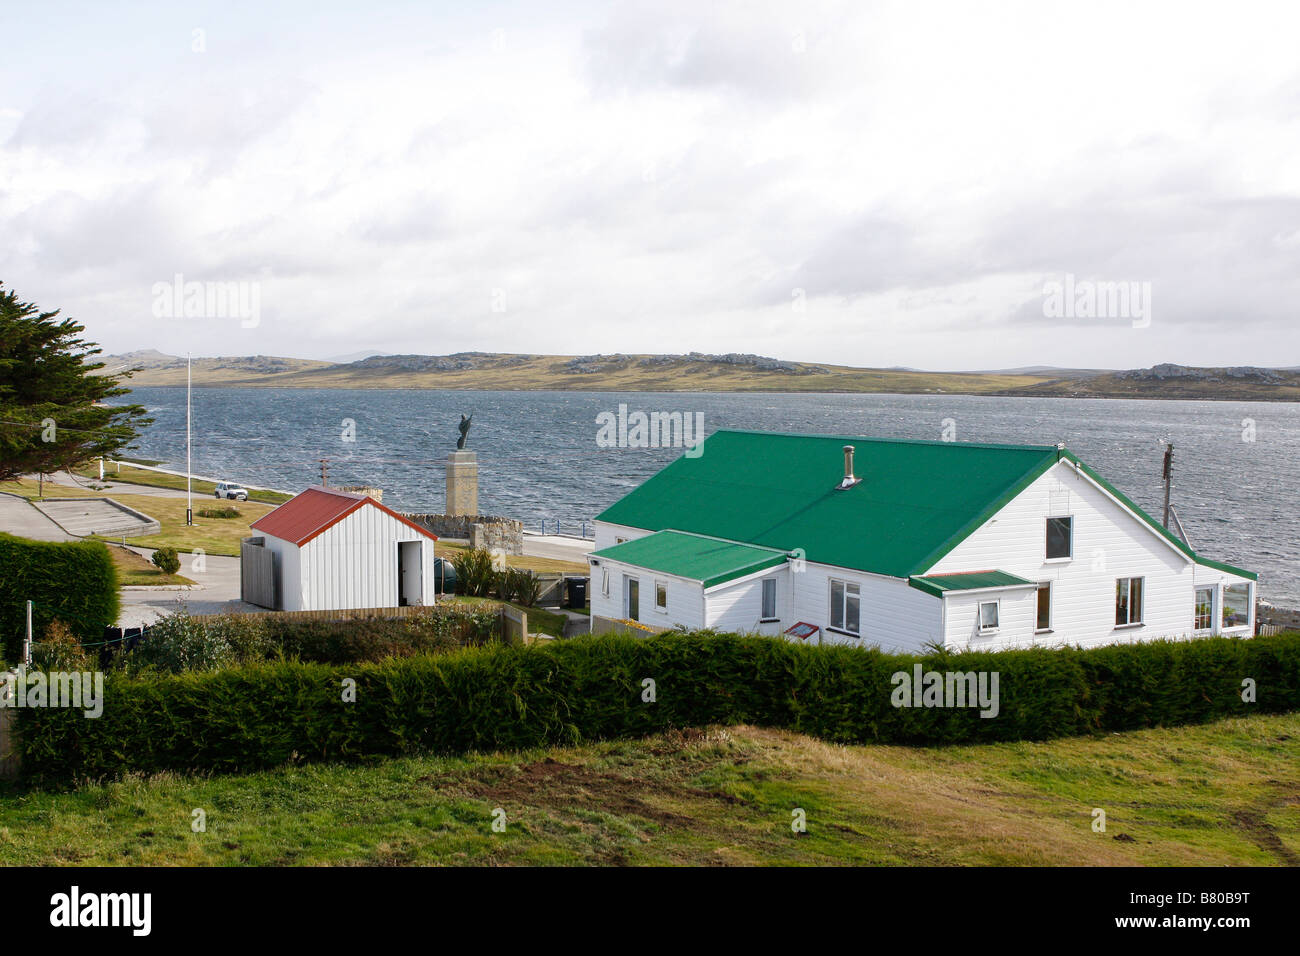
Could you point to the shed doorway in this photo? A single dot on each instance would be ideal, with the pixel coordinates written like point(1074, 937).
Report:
point(410, 573)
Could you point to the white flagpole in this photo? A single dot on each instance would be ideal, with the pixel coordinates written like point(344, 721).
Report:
point(189, 482)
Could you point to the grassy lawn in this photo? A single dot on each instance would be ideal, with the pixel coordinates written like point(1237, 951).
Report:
point(539, 619)
point(213, 535)
point(133, 570)
point(139, 476)
point(449, 550)
point(1213, 795)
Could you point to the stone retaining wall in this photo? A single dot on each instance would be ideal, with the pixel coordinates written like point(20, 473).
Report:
point(483, 531)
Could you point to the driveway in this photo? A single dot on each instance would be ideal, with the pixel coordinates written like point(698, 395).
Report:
point(218, 594)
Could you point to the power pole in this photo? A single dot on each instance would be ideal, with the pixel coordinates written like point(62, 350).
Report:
point(1169, 477)
point(324, 472)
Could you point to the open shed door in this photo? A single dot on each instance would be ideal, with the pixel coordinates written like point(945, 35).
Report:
point(410, 573)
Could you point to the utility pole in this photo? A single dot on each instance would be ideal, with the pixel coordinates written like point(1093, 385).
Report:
point(1169, 477)
point(324, 472)
point(189, 481)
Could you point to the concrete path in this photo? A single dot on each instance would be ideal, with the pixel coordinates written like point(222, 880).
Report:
point(557, 547)
point(19, 517)
point(219, 595)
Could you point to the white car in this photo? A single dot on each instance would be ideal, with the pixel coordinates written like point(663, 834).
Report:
point(229, 489)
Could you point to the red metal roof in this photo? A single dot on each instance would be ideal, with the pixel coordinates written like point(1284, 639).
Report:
point(317, 509)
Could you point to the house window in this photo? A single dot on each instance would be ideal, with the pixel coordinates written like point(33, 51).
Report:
point(604, 581)
point(1043, 622)
point(1060, 538)
point(633, 599)
point(661, 596)
point(1236, 605)
point(846, 602)
point(1128, 602)
point(1204, 609)
point(768, 612)
point(988, 617)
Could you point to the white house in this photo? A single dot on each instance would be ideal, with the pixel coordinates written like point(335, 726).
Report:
point(902, 544)
point(328, 550)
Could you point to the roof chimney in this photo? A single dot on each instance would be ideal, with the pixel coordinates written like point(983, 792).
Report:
point(849, 481)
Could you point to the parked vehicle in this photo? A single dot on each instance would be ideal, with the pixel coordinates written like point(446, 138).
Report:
point(231, 490)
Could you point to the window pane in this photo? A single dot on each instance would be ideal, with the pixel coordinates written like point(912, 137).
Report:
point(1135, 601)
point(837, 604)
point(1058, 537)
point(851, 622)
point(661, 596)
point(1121, 601)
point(769, 598)
point(988, 615)
point(1044, 620)
point(1204, 609)
point(1236, 605)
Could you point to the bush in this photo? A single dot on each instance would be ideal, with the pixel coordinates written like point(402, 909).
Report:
point(181, 642)
point(74, 581)
point(218, 512)
point(167, 560)
point(59, 650)
point(475, 574)
point(512, 697)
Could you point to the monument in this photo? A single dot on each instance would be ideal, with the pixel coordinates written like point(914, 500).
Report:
point(462, 475)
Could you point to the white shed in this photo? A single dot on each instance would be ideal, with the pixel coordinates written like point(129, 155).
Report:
point(328, 550)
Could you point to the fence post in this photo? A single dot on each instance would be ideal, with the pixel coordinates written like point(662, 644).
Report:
point(27, 641)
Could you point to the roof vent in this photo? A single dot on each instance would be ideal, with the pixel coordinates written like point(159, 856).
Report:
point(849, 480)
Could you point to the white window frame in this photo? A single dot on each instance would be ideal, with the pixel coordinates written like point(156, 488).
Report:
point(979, 616)
point(1195, 613)
point(774, 616)
point(1051, 607)
point(1142, 609)
point(661, 585)
point(604, 582)
point(1250, 603)
point(842, 627)
point(1068, 557)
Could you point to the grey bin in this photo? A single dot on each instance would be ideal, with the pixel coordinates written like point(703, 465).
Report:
point(576, 589)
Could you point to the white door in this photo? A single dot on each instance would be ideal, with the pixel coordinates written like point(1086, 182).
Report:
point(410, 572)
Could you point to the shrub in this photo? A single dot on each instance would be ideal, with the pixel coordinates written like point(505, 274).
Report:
point(181, 642)
point(218, 512)
point(516, 697)
point(475, 574)
point(167, 560)
point(59, 650)
point(74, 581)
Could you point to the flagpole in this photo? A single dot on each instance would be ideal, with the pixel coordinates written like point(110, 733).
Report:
point(189, 481)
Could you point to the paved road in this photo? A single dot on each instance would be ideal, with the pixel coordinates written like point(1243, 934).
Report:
point(219, 581)
point(558, 548)
point(19, 517)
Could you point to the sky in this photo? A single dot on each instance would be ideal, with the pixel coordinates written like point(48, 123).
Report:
point(872, 184)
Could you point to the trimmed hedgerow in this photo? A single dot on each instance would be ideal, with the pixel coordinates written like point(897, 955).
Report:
point(73, 581)
point(510, 697)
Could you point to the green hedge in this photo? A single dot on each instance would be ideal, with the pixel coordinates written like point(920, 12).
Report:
point(501, 697)
point(74, 581)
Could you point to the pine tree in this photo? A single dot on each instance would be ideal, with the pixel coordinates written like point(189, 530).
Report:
point(51, 416)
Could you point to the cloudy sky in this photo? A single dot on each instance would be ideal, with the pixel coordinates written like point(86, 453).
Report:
point(869, 184)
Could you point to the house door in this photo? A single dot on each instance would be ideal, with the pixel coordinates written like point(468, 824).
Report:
point(633, 599)
point(410, 573)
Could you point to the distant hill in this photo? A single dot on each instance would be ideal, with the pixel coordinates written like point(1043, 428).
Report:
point(697, 371)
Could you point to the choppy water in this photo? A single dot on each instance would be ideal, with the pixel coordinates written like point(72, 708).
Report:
point(1236, 485)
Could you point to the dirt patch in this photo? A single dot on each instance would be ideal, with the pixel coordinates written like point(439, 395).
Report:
point(1264, 835)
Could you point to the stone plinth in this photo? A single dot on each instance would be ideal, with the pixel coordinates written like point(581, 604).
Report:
point(462, 483)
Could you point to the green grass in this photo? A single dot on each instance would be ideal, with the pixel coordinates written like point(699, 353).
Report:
point(140, 476)
point(1212, 795)
point(134, 570)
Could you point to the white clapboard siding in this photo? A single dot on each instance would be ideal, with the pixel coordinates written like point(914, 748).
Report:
point(737, 606)
point(895, 616)
point(1109, 543)
point(685, 598)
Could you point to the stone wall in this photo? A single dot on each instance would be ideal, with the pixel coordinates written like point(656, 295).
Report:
point(483, 531)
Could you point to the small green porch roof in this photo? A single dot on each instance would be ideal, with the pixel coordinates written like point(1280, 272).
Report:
point(711, 561)
point(939, 584)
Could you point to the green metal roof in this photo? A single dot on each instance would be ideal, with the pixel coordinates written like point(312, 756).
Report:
point(917, 500)
point(938, 584)
point(693, 556)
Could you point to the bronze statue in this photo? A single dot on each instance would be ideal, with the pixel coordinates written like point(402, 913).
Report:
point(464, 431)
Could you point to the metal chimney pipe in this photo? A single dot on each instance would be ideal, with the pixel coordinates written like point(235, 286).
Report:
point(848, 464)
